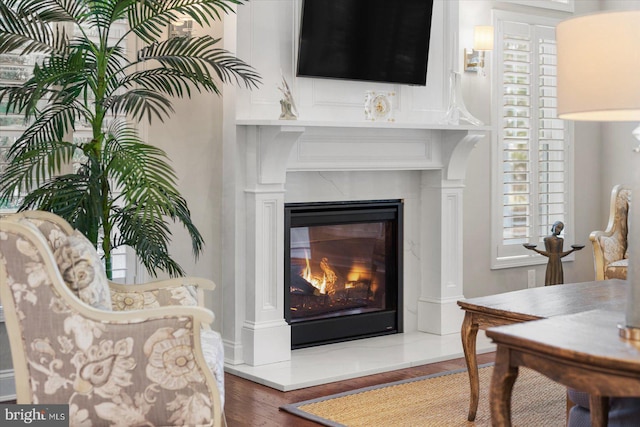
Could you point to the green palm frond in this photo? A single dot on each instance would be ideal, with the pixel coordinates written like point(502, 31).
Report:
point(104, 13)
point(51, 125)
point(30, 166)
point(57, 81)
point(140, 170)
point(151, 247)
point(61, 194)
point(148, 192)
point(28, 33)
point(192, 56)
point(168, 81)
point(70, 197)
point(203, 12)
point(51, 10)
point(140, 103)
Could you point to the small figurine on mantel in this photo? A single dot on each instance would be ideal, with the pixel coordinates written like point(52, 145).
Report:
point(553, 250)
point(287, 104)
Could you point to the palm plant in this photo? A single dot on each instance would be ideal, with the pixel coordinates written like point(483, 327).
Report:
point(87, 79)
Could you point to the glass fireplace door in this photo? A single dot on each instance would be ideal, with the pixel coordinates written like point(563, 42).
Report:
point(342, 271)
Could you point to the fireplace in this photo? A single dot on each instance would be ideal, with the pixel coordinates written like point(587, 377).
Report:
point(281, 162)
point(343, 270)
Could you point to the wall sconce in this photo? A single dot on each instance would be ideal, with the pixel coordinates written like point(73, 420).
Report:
point(183, 27)
point(482, 42)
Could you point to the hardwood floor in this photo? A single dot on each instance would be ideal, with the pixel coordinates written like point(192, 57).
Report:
point(250, 405)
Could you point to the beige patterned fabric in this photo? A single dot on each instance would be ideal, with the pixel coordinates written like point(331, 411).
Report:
point(610, 245)
point(617, 269)
point(82, 271)
point(113, 369)
point(124, 300)
point(614, 247)
point(78, 261)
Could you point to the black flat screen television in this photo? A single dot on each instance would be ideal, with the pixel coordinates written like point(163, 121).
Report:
point(371, 40)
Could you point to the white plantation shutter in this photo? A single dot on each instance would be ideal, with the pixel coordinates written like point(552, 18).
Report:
point(533, 158)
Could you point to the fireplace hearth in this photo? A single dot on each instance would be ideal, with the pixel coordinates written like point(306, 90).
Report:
point(343, 277)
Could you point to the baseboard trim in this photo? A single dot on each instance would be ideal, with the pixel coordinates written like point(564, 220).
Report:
point(7, 385)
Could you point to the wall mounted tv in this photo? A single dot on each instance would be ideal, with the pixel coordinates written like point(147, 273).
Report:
point(372, 40)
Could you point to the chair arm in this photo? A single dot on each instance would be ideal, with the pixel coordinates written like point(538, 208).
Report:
point(185, 291)
point(599, 264)
point(200, 282)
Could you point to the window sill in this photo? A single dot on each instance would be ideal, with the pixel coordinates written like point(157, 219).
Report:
point(524, 261)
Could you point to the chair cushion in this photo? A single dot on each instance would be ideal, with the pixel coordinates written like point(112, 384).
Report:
point(78, 262)
point(82, 270)
point(213, 351)
point(53, 234)
point(617, 269)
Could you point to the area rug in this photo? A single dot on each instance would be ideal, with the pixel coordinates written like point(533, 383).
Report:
point(437, 400)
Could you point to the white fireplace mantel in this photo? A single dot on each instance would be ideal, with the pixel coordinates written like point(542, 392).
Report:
point(269, 150)
point(278, 137)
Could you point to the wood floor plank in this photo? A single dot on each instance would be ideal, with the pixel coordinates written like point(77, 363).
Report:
point(249, 404)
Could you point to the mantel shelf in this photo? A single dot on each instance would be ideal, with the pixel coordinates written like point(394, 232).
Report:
point(362, 124)
point(359, 146)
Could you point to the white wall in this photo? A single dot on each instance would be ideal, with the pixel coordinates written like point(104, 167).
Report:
point(192, 139)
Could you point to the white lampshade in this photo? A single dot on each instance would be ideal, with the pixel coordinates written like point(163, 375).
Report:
point(599, 67)
point(483, 37)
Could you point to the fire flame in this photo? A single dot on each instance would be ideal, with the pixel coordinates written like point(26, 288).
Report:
point(317, 283)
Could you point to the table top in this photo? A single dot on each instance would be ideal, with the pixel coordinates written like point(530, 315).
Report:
point(587, 338)
point(551, 301)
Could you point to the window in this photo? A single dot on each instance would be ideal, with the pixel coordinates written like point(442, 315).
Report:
point(16, 69)
point(533, 156)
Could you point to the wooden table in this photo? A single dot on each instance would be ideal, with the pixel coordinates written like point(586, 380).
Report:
point(583, 351)
point(531, 304)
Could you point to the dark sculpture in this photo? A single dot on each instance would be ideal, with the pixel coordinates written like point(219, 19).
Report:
point(553, 250)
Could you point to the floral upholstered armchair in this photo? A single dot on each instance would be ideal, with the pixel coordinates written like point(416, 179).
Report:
point(115, 353)
point(610, 246)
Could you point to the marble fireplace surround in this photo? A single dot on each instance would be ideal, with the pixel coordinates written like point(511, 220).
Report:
point(304, 161)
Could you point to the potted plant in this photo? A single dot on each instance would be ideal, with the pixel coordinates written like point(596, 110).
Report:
point(86, 78)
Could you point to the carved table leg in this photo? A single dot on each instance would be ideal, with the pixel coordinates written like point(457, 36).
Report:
point(599, 408)
point(469, 334)
point(504, 376)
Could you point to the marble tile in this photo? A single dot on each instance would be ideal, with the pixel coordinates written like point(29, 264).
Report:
point(336, 362)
